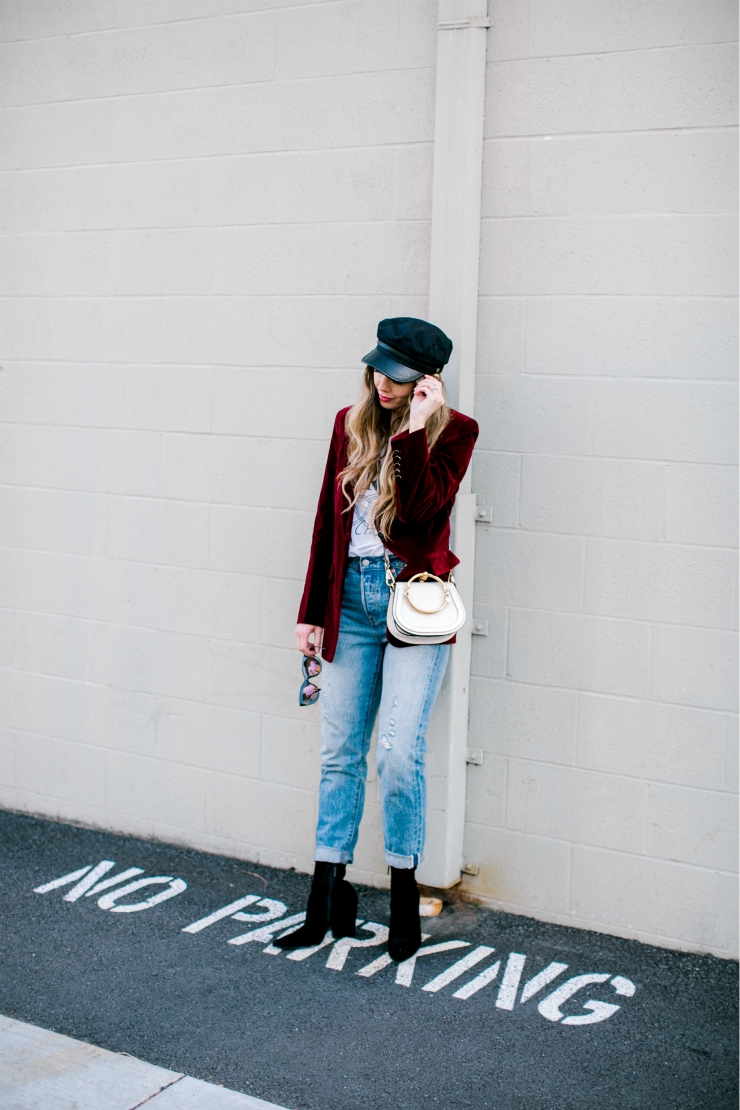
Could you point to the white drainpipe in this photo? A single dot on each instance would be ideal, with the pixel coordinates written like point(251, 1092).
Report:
point(453, 305)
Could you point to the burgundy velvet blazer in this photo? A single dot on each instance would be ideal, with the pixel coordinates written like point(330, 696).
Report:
point(426, 484)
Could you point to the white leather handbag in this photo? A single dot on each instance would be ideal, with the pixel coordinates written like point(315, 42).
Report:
point(424, 610)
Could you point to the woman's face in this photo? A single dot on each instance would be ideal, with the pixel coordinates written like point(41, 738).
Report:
point(391, 394)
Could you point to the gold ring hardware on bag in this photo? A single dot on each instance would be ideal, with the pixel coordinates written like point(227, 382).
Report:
point(423, 578)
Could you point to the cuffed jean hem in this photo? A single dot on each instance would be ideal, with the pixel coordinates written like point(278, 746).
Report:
point(394, 860)
point(336, 855)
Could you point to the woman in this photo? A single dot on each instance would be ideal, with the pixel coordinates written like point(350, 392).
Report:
point(396, 460)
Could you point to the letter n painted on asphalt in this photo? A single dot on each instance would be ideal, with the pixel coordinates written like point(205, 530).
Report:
point(64, 881)
point(458, 968)
point(510, 982)
point(541, 979)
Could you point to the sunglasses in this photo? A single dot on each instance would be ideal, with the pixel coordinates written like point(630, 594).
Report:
point(309, 692)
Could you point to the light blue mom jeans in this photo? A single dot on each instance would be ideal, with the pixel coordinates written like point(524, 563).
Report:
point(367, 678)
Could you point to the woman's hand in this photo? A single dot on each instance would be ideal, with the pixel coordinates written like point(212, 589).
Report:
point(302, 633)
point(428, 397)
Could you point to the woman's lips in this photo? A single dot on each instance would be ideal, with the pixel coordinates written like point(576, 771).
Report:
point(384, 397)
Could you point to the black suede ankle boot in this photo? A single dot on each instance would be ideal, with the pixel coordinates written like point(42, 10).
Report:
point(328, 881)
point(343, 908)
point(405, 931)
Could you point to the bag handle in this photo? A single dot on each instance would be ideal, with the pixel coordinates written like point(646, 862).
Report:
point(425, 577)
point(390, 581)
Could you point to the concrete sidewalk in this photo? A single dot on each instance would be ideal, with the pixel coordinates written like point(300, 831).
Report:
point(40, 1070)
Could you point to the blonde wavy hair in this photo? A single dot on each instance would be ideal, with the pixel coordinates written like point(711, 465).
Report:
point(369, 430)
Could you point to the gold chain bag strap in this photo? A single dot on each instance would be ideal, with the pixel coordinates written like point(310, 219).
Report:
point(424, 610)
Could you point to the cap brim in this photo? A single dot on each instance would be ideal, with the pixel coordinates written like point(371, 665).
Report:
point(396, 371)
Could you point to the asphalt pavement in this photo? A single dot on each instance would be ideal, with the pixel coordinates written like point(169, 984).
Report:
point(503, 1012)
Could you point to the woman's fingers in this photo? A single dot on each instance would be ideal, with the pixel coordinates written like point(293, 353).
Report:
point(428, 395)
point(302, 634)
point(429, 387)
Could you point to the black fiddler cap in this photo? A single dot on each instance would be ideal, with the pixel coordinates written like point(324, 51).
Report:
point(408, 349)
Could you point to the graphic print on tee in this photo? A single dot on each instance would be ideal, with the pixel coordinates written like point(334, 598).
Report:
point(365, 540)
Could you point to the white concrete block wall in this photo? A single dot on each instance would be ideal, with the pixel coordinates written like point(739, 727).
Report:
point(206, 208)
point(604, 697)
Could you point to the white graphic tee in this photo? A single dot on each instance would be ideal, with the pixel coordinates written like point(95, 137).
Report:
point(365, 540)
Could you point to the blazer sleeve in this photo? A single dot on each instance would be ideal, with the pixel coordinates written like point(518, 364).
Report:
point(316, 590)
point(426, 480)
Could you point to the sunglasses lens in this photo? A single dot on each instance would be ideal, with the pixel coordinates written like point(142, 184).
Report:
point(313, 667)
point(310, 694)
